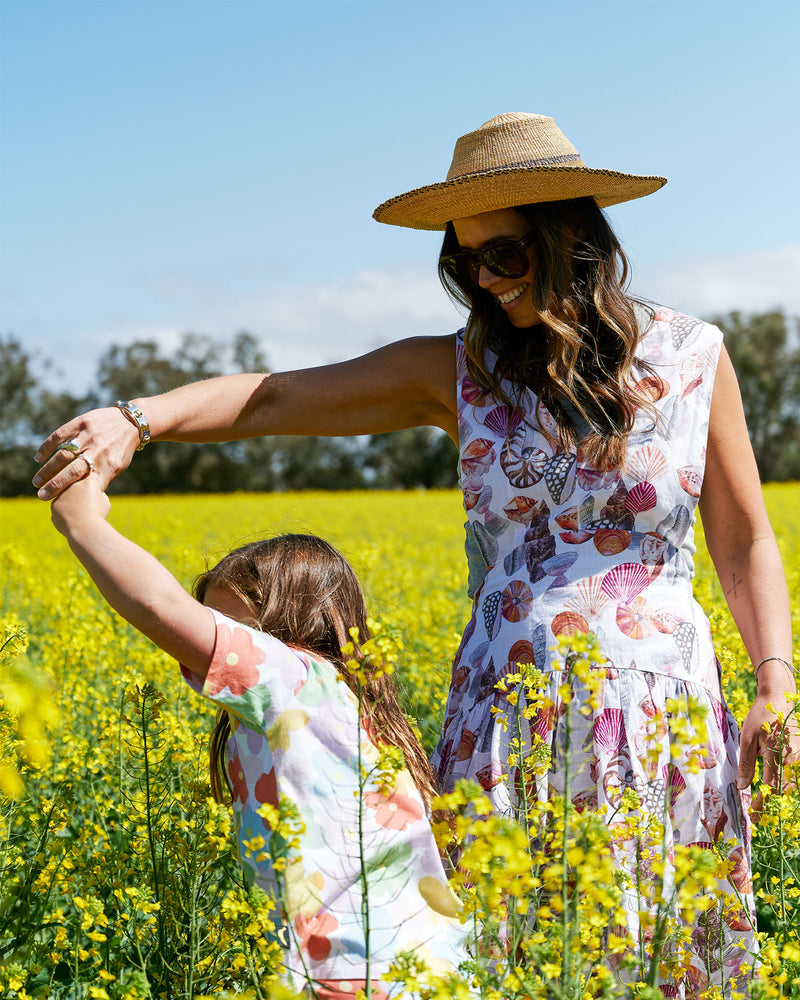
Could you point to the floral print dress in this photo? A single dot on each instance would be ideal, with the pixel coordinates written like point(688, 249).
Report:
point(295, 736)
point(569, 549)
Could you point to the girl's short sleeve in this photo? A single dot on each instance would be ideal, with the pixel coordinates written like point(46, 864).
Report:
point(252, 674)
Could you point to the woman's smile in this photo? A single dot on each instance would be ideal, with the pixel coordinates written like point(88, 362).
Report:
point(474, 232)
point(506, 298)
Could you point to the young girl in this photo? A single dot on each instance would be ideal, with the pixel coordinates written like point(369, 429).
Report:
point(265, 645)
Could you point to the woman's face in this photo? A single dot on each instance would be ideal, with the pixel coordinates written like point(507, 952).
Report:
point(475, 232)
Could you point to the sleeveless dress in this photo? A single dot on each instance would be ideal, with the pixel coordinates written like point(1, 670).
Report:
point(568, 549)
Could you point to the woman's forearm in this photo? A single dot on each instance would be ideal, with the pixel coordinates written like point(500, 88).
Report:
point(755, 588)
point(216, 409)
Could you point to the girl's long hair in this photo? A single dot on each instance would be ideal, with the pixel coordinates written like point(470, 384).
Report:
point(302, 590)
point(585, 348)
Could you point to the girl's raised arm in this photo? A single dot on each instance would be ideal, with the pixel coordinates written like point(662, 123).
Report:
point(407, 384)
point(134, 582)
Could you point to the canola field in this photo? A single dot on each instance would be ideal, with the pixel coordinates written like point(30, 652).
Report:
point(118, 874)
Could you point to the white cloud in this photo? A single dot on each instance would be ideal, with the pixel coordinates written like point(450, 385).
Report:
point(751, 282)
point(305, 324)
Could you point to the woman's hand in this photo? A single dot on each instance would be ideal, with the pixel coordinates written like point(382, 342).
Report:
point(102, 441)
point(84, 501)
point(777, 743)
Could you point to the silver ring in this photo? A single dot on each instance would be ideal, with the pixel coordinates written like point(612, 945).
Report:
point(88, 461)
point(71, 446)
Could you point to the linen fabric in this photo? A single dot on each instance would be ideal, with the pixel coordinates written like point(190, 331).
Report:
point(296, 734)
point(569, 549)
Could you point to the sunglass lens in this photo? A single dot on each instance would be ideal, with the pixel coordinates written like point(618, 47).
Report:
point(452, 265)
point(507, 261)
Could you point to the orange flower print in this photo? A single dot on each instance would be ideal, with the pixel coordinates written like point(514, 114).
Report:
point(266, 789)
point(238, 780)
point(395, 811)
point(313, 932)
point(241, 662)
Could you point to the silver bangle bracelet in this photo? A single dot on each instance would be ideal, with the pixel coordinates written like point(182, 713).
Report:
point(136, 416)
point(780, 659)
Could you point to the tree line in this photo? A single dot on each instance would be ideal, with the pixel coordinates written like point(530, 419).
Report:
point(762, 346)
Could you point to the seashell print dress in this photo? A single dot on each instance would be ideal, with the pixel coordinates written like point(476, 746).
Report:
point(569, 549)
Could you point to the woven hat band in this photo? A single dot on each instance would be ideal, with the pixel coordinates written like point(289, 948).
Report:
point(512, 140)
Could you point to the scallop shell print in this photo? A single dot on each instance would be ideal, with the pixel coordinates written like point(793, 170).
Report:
point(608, 731)
point(569, 623)
point(647, 464)
point(472, 393)
point(592, 600)
point(674, 781)
point(611, 541)
point(521, 652)
point(626, 581)
point(504, 420)
point(641, 498)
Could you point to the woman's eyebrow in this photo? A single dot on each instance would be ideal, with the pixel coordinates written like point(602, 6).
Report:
point(491, 242)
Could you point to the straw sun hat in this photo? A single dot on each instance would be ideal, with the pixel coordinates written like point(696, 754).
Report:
point(513, 159)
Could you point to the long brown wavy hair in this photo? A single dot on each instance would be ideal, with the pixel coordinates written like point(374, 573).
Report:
point(585, 348)
point(302, 590)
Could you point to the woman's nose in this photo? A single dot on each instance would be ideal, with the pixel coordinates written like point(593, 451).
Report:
point(485, 277)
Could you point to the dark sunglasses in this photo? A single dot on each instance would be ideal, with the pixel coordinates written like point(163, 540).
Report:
point(506, 260)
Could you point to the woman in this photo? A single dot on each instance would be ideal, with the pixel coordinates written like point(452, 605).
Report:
point(587, 425)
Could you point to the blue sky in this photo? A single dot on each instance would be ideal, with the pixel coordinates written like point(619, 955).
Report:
point(212, 165)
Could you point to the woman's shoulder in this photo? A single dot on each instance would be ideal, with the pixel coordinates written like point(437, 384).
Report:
point(668, 334)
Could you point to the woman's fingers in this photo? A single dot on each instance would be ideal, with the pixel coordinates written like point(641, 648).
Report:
point(68, 432)
point(101, 441)
point(61, 471)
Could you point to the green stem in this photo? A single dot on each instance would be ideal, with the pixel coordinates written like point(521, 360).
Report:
point(362, 861)
point(566, 955)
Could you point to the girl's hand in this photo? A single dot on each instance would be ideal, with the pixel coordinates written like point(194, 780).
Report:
point(84, 501)
point(777, 743)
point(104, 437)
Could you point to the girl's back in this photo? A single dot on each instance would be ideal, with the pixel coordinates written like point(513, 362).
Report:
point(296, 739)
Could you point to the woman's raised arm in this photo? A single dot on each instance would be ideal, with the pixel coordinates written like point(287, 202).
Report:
point(407, 384)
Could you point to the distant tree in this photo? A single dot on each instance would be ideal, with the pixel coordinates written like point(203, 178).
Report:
point(768, 369)
point(417, 457)
point(17, 383)
point(28, 412)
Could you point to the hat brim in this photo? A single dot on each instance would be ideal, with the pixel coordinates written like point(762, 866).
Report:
point(432, 207)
